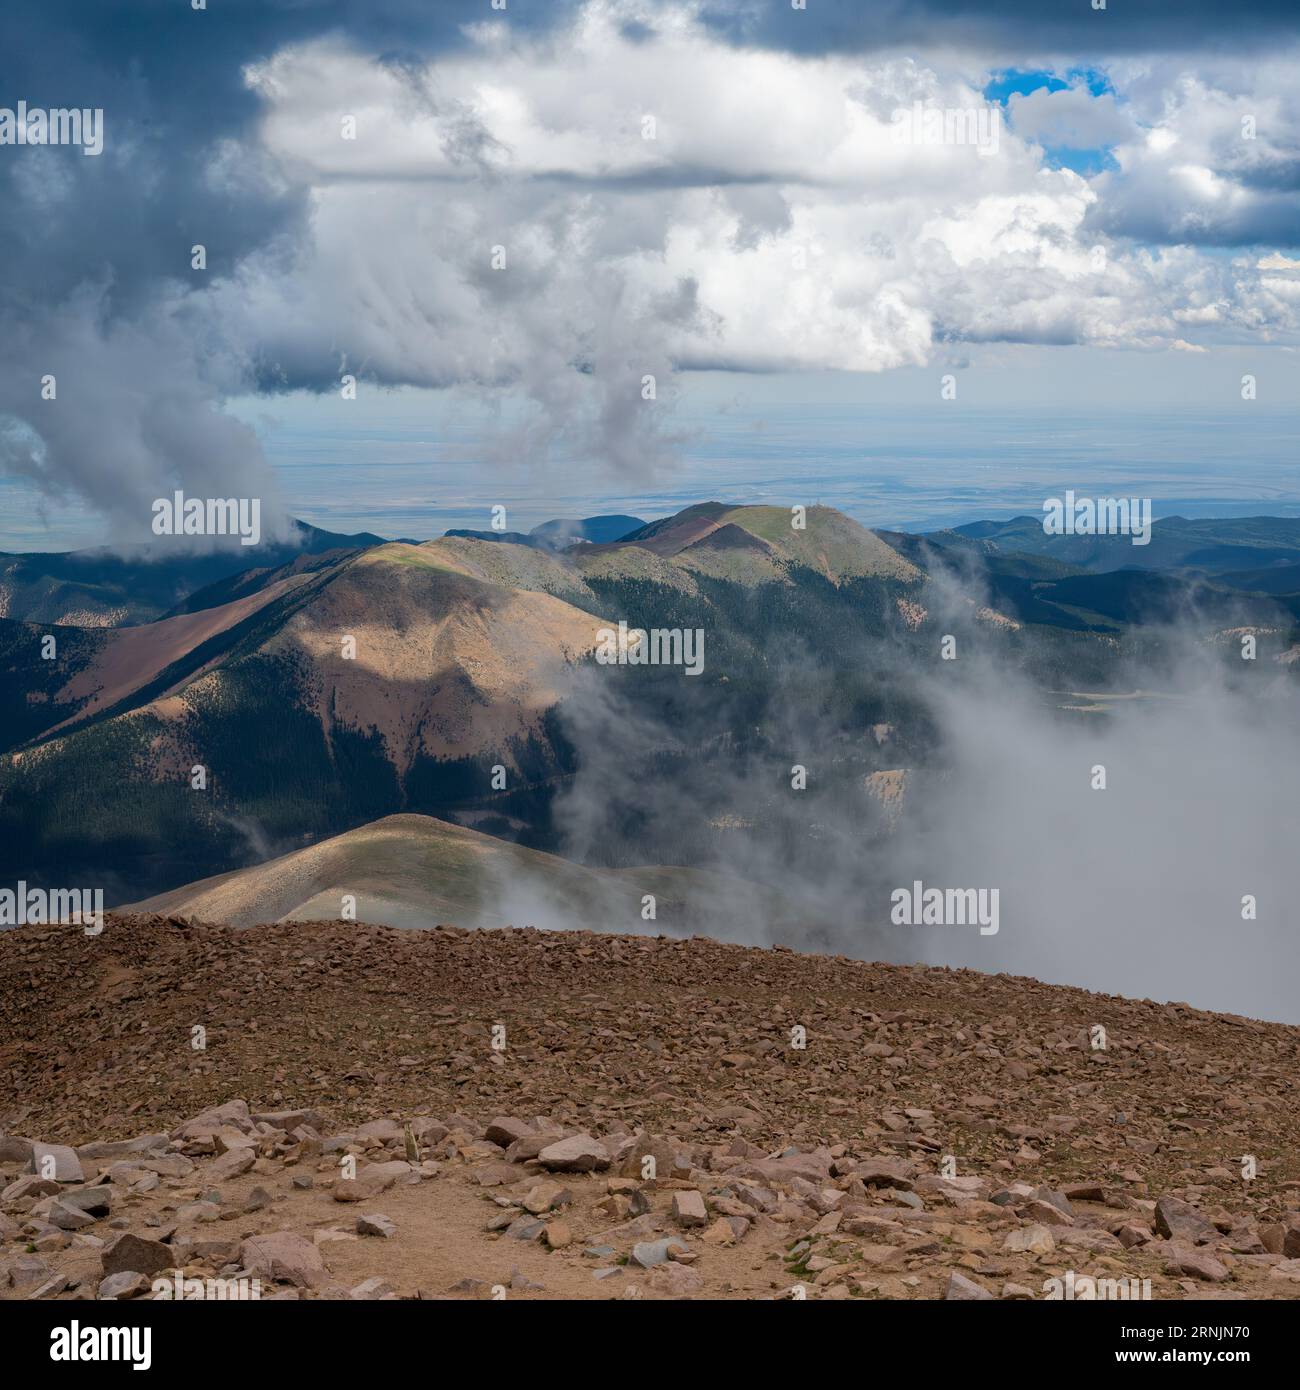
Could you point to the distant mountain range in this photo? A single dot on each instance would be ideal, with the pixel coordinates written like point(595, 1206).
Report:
point(1242, 569)
point(559, 535)
point(1235, 544)
point(324, 687)
point(112, 588)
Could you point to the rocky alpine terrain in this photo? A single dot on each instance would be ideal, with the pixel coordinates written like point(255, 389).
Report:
point(358, 1112)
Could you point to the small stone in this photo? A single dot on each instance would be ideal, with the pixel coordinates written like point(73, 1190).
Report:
point(963, 1290)
point(357, 1190)
point(27, 1271)
point(578, 1154)
point(674, 1280)
point(127, 1284)
point(547, 1196)
point(55, 1161)
point(504, 1131)
point(1176, 1220)
point(525, 1228)
point(689, 1209)
point(1033, 1240)
point(68, 1218)
point(34, 1186)
point(51, 1288)
point(372, 1290)
point(285, 1257)
point(115, 1148)
point(648, 1253)
point(385, 1174)
point(289, 1120)
point(136, 1255)
point(721, 1233)
point(94, 1201)
point(199, 1211)
point(885, 1172)
point(1199, 1264)
point(369, 1224)
point(1291, 1235)
point(225, 1140)
point(385, 1131)
point(231, 1164)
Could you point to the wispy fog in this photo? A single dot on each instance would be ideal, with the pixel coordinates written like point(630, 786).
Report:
point(1134, 889)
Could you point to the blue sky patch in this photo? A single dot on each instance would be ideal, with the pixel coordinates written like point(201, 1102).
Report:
point(1022, 81)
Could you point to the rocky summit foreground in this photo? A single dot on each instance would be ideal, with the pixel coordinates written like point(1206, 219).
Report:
point(336, 1110)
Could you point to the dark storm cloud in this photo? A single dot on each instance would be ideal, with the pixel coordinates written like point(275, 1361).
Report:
point(1011, 27)
point(170, 81)
point(96, 286)
point(97, 289)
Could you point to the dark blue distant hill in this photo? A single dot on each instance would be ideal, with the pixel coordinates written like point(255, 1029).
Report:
point(137, 584)
point(556, 535)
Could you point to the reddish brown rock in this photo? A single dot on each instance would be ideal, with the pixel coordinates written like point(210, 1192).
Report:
point(136, 1255)
point(284, 1257)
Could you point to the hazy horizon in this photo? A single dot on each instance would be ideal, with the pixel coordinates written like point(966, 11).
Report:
point(903, 468)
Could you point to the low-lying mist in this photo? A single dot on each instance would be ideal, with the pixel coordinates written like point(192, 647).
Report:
point(1126, 834)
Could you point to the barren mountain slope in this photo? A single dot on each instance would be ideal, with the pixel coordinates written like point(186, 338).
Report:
point(446, 663)
point(757, 544)
point(776, 1165)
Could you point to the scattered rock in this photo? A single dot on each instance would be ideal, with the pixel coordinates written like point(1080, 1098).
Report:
point(577, 1154)
point(1199, 1264)
point(134, 1254)
point(648, 1253)
point(674, 1281)
point(124, 1285)
point(558, 1235)
point(284, 1257)
point(505, 1131)
point(370, 1224)
point(963, 1290)
point(231, 1164)
point(689, 1209)
point(55, 1161)
point(1176, 1220)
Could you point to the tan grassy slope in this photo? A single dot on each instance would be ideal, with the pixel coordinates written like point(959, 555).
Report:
point(446, 662)
point(461, 645)
point(751, 544)
point(416, 871)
